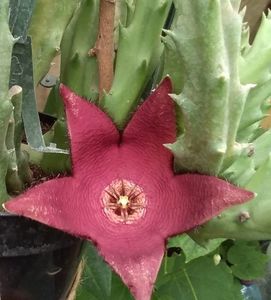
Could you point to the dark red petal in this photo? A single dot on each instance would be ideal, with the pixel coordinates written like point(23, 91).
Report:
point(154, 121)
point(138, 273)
point(67, 204)
point(47, 203)
point(197, 198)
point(91, 131)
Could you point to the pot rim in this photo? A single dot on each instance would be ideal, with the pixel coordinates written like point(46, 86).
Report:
point(7, 214)
point(24, 236)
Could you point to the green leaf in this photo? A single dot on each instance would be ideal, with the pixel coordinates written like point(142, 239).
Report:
point(96, 282)
point(248, 260)
point(197, 280)
point(191, 249)
point(119, 291)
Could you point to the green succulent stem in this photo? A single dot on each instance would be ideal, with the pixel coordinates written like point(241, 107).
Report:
point(18, 172)
point(206, 36)
point(22, 157)
point(13, 181)
point(5, 115)
point(256, 108)
point(55, 162)
point(6, 41)
point(251, 167)
point(48, 23)
point(138, 54)
point(79, 69)
point(256, 58)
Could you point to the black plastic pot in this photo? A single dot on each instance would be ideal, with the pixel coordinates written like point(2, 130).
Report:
point(36, 261)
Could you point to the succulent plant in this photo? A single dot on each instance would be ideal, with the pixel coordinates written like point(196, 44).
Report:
point(221, 89)
point(15, 172)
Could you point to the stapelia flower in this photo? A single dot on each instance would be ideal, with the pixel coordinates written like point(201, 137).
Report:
point(123, 194)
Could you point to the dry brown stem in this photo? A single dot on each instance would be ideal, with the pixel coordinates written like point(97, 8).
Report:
point(76, 282)
point(104, 48)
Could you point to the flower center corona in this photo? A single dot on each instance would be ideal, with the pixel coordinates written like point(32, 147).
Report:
point(123, 202)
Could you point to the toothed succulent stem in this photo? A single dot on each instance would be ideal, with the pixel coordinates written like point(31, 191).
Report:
point(138, 55)
point(22, 157)
point(79, 71)
point(79, 68)
point(5, 114)
point(18, 172)
point(212, 98)
point(251, 168)
point(13, 181)
point(255, 59)
point(48, 23)
point(256, 108)
point(6, 42)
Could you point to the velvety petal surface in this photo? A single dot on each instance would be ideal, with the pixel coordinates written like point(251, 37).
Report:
point(197, 198)
point(91, 132)
point(47, 203)
point(138, 273)
point(154, 122)
point(153, 125)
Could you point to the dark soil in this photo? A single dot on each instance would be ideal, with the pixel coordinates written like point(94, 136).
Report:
point(39, 176)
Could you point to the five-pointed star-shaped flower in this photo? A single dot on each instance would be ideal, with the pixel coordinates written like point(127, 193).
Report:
point(123, 194)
